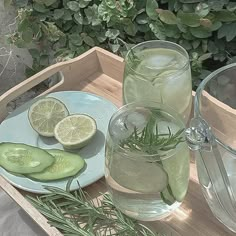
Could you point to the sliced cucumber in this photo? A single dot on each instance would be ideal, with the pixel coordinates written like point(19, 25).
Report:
point(137, 175)
point(177, 168)
point(167, 196)
point(24, 159)
point(66, 164)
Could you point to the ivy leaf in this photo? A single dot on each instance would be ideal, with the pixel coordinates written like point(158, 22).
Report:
point(142, 19)
point(44, 60)
point(205, 22)
point(204, 57)
point(112, 33)
point(114, 47)
point(21, 3)
point(130, 28)
point(143, 28)
point(189, 19)
point(78, 18)
point(27, 35)
point(196, 43)
point(212, 47)
point(158, 29)
point(228, 31)
point(73, 6)
point(167, 17)
point(76, 39)
point(151, 7)
point(67, 15)
point(23, 25)
point(204, 45)
point(72, 47)
point(89, 40)
point(185, 44)
point(101, 37)
point(34, 53)
point(190, 1)
point(49, 2)
point(171, 5)
point(58, 13)
point(225, 16)
point(200, 32)
point(91, 13)
point(188, 36)
point(84, 3)
point(215, 26)
point(40, 8)
point(231, 6)
point(183, 28)
point(172, 31)
point(217, 5)
point(202, 9)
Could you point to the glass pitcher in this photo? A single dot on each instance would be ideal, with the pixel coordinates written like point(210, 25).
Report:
point(212, 134)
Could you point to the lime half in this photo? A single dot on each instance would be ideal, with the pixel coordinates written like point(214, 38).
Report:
point(75, 131)
point(138, 89)
point(45, 114)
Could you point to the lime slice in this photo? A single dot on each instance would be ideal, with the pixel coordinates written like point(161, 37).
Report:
point(177, 168)
point(45, 114)
point(75, 131)
point(138, 89)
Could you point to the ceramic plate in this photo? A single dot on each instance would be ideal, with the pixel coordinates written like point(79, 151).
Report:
point(16, 128)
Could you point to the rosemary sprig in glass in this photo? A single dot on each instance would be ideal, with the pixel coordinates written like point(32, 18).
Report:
point(150, 141)
point(76, 213)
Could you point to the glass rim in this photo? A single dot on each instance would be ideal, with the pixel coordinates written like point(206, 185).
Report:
point(180, 70)
point(146, 104)
point(199, 90)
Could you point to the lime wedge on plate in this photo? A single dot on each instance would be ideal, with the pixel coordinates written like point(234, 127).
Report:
point(45, 114)
point(75, 131)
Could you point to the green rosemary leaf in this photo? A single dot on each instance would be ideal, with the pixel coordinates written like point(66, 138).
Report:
point(73, 213)
point(150, 141)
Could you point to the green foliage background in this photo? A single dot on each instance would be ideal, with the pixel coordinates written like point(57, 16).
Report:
point(63, 29)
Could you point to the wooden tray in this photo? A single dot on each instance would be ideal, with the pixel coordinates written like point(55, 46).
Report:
point(100, 72)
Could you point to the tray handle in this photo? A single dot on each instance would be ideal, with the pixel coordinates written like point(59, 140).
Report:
point(29, 83)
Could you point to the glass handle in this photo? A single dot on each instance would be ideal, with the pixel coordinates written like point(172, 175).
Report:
point(199, 138)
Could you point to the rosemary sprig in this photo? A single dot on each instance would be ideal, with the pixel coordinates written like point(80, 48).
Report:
point(76, 214)
point(150, 141)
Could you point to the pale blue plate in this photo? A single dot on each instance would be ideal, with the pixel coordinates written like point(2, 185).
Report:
point(16, 128)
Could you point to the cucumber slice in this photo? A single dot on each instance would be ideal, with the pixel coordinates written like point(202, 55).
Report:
point(66, 164)
point(177, 168)
point(167, 196)
point(24, 159)
point(137, 175)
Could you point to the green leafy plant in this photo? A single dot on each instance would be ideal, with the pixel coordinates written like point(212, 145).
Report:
point(62, 29)
point(77, 214)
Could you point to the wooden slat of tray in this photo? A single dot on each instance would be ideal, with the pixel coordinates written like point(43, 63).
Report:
point(100, 72)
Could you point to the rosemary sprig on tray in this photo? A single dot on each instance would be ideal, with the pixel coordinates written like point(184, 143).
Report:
point(150, 141)
point(76, 214)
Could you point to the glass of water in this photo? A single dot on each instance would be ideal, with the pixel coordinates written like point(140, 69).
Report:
point(147, 160)
point(159, 71)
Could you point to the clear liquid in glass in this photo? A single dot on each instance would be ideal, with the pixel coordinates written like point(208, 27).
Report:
point(145, 188)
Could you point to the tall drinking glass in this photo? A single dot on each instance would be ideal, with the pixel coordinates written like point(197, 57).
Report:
point(159, 71)
point(147, 160)
point(212, 133)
